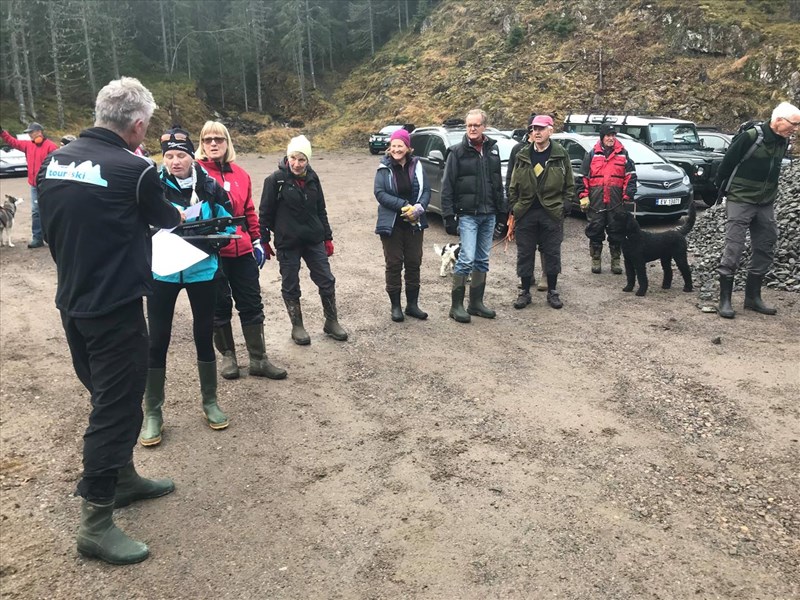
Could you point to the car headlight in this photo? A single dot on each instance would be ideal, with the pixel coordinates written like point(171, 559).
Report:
point(685, 180)
point(699, 171)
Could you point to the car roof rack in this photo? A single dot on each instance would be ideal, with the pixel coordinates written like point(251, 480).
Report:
point(453, 122)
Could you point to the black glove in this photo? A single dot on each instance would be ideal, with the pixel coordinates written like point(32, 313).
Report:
point(450, 225)
point(567, 209)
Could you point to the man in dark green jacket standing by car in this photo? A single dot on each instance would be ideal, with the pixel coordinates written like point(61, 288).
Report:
point(749, 177)
point(539, 197)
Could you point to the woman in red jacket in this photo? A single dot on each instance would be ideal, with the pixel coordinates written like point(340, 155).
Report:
point(240, 260)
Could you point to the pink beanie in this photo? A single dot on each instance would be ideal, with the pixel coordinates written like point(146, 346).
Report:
point(401, 134)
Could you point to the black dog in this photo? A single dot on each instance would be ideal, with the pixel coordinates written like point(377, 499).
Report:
point(641, 247)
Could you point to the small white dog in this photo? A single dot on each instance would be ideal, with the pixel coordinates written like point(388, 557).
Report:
point(7, 212)
point(449, 253)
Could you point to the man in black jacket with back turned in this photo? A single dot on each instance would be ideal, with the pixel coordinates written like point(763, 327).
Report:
point(472, 189)
point(97, 200)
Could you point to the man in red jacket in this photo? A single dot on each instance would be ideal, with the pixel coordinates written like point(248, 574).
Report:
point(608, 182)
point(35, 151)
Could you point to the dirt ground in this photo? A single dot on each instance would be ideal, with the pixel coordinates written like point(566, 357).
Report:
point(621, 448)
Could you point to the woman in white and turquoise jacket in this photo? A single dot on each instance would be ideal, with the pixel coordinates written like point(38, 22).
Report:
point(185, 184)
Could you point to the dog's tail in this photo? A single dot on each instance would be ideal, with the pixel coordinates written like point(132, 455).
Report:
point(687, 227)
point(438, 249)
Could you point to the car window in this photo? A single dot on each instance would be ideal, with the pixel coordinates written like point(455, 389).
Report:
point(574, 150)
point(436, 143)
point(390, 129)
point(420, 144)
point(640, 153)
point(714, 142)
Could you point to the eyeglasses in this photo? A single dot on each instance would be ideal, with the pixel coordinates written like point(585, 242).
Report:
point(181, 137)
point(478, 126)
point(792, 123)
point(214, 140)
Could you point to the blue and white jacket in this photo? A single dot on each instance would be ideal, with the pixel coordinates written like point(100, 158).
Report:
point(389, 203)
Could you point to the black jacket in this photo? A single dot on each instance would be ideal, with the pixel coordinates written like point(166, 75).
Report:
point(472, 182)
point(295, 214)
point(97, 200)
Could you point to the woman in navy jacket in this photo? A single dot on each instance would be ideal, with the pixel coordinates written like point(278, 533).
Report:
point(403, 194)
point(185, 184)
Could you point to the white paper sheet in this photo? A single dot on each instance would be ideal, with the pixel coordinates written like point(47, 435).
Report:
point(172, 254)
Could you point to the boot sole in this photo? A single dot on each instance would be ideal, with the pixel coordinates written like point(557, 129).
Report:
point(460, 319)
point(268, 376)
point(230, 376)
point(150, 442)
point(129, 501)
point(761, 312)
point(301, 342)
point(475, 313)
point(218, 426)
point(99, 556)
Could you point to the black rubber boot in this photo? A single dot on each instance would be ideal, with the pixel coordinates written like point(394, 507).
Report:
point(752, 296)
point(223, 340)
point(153, 423)
point(725, 309)
point(332, 327)
point(99, 537)
point(132, 487)
point(476, 306)
point(412, 304)
point(457, 311)
point(596, 251)
point(260, 366)
point(299, 334)
point(616, 252)
point(397, 309)
point(208, 388)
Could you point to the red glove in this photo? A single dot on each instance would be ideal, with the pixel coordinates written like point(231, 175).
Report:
point(268, 251)
point(329, 247)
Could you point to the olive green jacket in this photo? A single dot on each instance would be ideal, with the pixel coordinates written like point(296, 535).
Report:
point(554, 190)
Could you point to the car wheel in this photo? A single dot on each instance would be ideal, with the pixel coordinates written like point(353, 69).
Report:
point(373, 151)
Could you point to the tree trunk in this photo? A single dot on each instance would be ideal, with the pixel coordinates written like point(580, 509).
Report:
point(310, 50)
point(89, 64)
point(114, 58)
point(244, 86)
point(28, 76)
point(164, 36)
point(399, 18)
point(330, 38)
point(256, 30)
point(407, 21)
point(300, 70)
point(221, 84)
point(15, 72)
point(51, 13)
point(371, 29)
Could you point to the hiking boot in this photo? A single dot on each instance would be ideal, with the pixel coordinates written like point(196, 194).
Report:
point(523, 299)
point(36, 243)
point(553, 299)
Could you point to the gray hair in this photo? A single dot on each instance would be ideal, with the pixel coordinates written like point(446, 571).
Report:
point(477, 112)
point(784, 110)
point(123, 102)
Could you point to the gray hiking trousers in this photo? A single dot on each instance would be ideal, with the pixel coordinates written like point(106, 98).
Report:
point(760, 220)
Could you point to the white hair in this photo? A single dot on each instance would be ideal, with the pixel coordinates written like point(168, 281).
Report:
point(477, 112)
point(784, 110)
point(123, 102)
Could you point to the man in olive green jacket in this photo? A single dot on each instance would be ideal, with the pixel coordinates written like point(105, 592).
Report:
point(539, 197)
point(752, 166)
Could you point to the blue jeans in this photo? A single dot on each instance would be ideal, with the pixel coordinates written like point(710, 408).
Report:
point(36, 221)
point(476, 242)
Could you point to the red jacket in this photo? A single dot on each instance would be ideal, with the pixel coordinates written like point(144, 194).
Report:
point(236, 182)
point(34, 153)
point(608, 179)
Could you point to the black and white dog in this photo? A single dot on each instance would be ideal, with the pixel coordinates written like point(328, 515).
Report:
point(641, 247)
point(7, 212)
point(449, 253)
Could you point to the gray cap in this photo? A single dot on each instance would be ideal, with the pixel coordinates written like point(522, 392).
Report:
point(34, 127)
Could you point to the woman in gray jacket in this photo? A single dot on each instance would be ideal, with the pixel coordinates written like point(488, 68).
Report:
point(403, 194)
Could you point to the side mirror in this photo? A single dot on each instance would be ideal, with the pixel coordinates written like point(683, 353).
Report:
point(436, 155)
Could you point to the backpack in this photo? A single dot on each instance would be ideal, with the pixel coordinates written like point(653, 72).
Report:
point(743, 129)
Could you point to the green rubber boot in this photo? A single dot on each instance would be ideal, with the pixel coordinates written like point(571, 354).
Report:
point(331, 326)
point(596, 251)
point(259, 363)
point(153, 423)
point(132, 487)
point(299, 334)
point(476, 306)
point(223, 340)
point(99, 537)
point(208, 388)
point(616, 253)
point(457, 311)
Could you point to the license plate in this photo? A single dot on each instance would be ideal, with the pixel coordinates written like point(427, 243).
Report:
point(667, 201)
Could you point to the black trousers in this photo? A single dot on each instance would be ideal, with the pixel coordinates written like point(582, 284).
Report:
point(538, 228)
point(403, 248)
point(109, 354)
point(239, 284)
point(602, 222)
point(161, 308)
point(318, 266)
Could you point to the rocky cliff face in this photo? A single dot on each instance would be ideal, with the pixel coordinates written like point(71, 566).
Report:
point(720, 62)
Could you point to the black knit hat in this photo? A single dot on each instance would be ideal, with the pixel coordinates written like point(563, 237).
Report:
point(177, 139)
point(606, 129)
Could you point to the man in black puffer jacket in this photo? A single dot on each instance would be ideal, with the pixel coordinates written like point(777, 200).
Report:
point(472, 189)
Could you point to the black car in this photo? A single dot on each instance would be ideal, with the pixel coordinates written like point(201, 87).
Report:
point(662, 190)
point(676, 140)
point(379, 142)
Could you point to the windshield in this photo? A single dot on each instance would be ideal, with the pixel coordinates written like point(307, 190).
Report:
point(640, 153)
point(390, 129)
point(672, 135)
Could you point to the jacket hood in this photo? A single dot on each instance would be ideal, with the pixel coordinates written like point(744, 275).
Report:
point(599, 148)
point(101, 133)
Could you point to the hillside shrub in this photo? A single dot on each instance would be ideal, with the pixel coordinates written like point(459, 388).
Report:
point(561, 25)
point(400, 59)
point(515, 37)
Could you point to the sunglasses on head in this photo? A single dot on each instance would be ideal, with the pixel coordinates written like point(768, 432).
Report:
point(214, 140)
point(181, 137)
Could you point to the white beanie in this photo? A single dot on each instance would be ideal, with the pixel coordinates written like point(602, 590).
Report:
point(299, 144)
